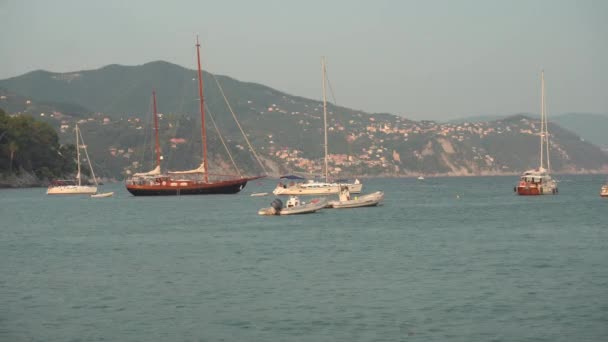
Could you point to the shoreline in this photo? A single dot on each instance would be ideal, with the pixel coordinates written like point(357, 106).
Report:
point(21, 184)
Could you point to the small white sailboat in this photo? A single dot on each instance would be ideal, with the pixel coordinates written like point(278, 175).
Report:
point(420, 177)
point(314, 187)
point(294, 206)
point(604, 190)
point(71, 187)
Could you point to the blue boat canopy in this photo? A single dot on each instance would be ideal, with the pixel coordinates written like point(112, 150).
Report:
point(291, 177)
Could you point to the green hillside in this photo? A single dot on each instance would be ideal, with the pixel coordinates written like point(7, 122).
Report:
point(591, 127)
point(286, 130)
point(30, 149)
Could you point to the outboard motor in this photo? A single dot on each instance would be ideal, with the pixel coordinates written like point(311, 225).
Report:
point(277, 205)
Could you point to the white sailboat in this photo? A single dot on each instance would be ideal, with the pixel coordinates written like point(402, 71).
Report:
point(71, 187)
point(312, 187)
point(538, 181)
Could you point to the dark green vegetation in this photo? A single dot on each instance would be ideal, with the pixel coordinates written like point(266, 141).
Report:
point(30, 149)
point(115, 116)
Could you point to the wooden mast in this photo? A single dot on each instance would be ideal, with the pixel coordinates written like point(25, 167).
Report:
point(157, 145)
point(202, 109)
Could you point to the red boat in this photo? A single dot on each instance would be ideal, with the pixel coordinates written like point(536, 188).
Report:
point(166, 185)
point(191, 182)
point(538, 181)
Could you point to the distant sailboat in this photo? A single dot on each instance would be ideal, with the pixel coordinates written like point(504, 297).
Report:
point(538, 181)
point(75, 187)
point(312, 187)
point(604, 190)
point(191, 182)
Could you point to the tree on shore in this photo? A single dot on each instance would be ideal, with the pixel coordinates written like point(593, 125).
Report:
point(27, 145)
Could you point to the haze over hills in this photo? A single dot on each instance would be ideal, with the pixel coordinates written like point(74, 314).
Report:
point(286, 130)
point(591, 127)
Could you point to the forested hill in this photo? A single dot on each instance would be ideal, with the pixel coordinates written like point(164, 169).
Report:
point(286, 130)
point(30, 153)
point(119, 91)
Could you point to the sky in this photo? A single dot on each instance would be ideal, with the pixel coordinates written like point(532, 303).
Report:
point(433, 60)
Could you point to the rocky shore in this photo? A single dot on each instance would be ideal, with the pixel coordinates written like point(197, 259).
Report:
point(21, 180)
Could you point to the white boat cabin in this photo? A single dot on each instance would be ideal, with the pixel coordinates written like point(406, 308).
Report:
point(293, 201)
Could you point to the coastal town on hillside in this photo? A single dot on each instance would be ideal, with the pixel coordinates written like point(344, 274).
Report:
point(370, 144)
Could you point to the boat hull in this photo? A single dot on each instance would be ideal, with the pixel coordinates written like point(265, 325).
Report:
point(532, 190)
point(72, 190)
point(187, 188)
point(308, 208)
point(102, 195)
point(305, 189)
point(370, 200)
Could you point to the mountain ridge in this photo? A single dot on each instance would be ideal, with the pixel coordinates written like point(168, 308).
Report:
point(285, 129)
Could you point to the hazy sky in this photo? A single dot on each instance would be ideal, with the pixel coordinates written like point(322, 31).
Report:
point(421, 59)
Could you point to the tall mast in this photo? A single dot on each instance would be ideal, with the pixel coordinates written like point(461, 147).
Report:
point(324, 117)
point(202, 109)
point(542, 118)
point(86, 153)
point(77, 154)
point(546, 132)
point(157, 145)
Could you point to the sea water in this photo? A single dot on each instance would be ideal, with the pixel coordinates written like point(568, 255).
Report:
point(444, 259)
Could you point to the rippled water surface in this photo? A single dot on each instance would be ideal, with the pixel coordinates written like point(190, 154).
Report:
point(445, 259)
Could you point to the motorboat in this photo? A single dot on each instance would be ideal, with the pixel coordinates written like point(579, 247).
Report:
point(345, 200)
point(293, 206)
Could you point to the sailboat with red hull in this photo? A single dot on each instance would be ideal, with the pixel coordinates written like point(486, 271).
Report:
point(166, 186)
point(538, 181)
point(191, 182)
